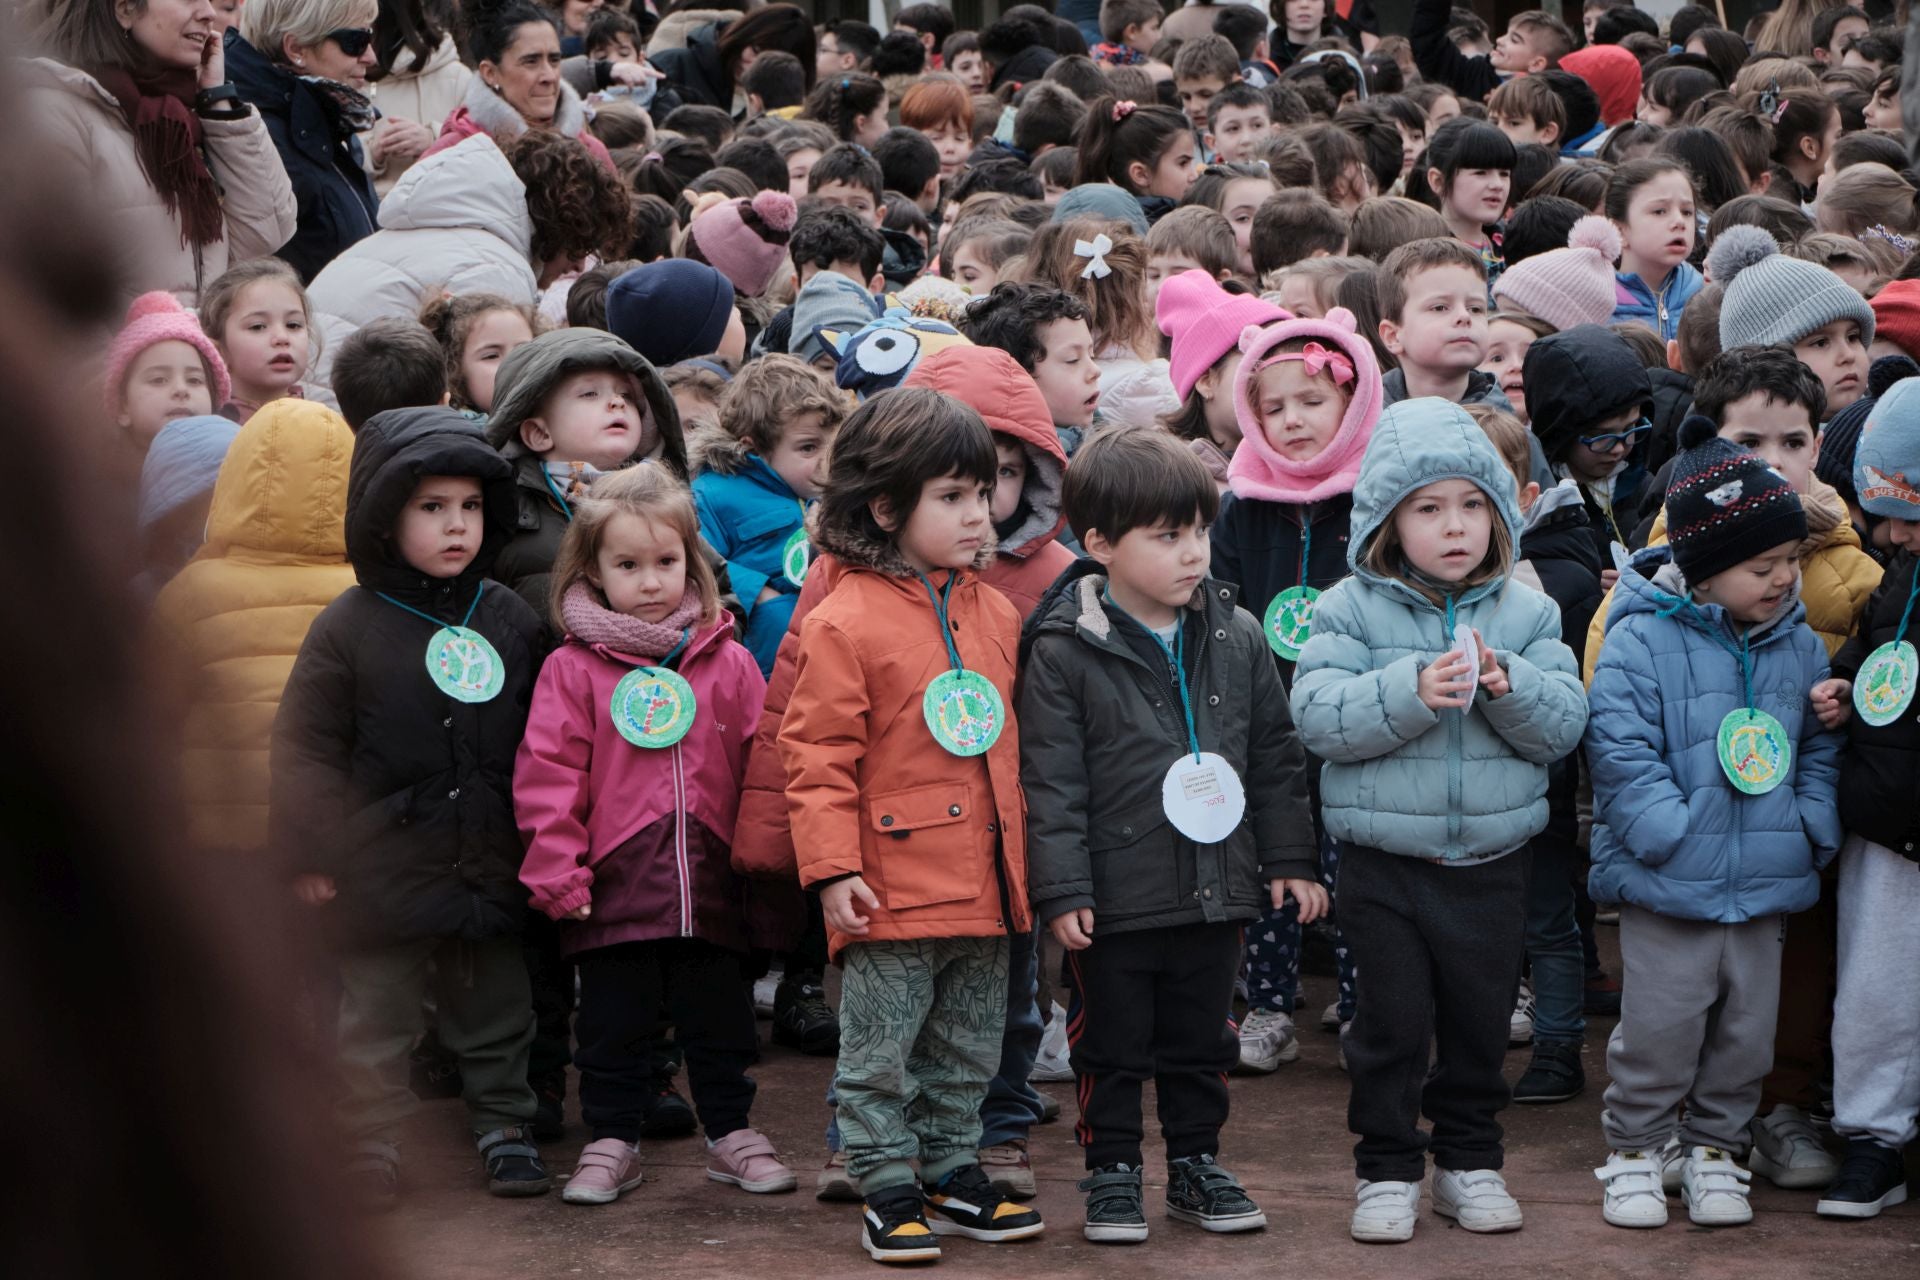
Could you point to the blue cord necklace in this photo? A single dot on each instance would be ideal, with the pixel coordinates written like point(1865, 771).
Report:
point(462, 663)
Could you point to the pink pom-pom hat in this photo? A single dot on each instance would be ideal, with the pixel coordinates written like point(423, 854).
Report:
point(1571, 286)
point(158, 317)
point(745, 240)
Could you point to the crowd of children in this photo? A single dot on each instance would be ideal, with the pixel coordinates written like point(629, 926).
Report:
point(966, 497)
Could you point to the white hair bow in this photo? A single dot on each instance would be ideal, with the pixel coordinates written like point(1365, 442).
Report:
point(1097, 249)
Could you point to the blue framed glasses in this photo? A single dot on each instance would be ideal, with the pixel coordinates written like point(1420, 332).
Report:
point(1613, 439)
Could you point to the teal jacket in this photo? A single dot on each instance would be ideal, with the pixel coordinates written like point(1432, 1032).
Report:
point(1399, 775)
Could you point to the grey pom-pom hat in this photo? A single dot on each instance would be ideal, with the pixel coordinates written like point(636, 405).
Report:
point(1771, 298)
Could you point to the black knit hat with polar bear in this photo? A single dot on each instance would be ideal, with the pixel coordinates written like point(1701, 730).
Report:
point(1725, 505)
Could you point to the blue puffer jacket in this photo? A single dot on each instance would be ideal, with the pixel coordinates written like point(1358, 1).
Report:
point(747, 513)
point(1634, 299)
point(1399, 775)
point(1670, 833)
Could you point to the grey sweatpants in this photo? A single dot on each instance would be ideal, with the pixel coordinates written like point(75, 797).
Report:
point(1696, 1026)
point(1876, 1019)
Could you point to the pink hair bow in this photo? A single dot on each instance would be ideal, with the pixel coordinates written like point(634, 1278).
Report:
point(1319, 359)
point(1122, 109)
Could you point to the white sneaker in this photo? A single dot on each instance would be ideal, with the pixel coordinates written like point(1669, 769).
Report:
point(1714, 1188)
point(1384, 1212)
point(1267, 1040)
point(1477, 1199)
point(1340, 1054)
point(1673, 1163)
point(1330, 1017)
point(1634, 1195)
point(763, 989)
point(1054, 1063)
point(1787, 1150)
point(1520, 1026)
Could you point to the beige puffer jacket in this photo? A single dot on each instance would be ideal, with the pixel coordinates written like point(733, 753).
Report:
point(426, 96)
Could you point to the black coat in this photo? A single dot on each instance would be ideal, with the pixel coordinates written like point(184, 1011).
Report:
point(1880, 773)
point(403, 794)
point(1256, 546)
point(697, 73)
point(1560, 547)
point(1100, 724)
point(1029, 64)
point(337, 204)
point(1672, 402)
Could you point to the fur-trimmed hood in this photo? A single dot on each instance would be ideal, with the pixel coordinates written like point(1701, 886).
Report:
point(857, 548)
point(496, 116)
point(709, 448)
point(531, 370)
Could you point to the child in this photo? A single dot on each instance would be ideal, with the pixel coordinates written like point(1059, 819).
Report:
point(1562, 288)
point(176, 488)
point(393, 363)
point(854, 105)
point(847, 177)
point(942, 109)
point(631, 858)
point(1706, 844)
point(745, 240)
point(1147, 151)
point(258, 315)
point(1307, 395)
point(1509, 335)
point(161, 367)
point(1433, 318)
point(754, 477)
point(1203, 323)
point(1527, 110)
point(1806, 124)
point(390, 796)
point(1238, 120)
point(1534, 41)
point(1105, 665)
point(1772, 299)
point(1202, 70)
point(1128, 31)
point(918, 899)
point(1046, 331)
point(612, 36)
point(1105, 266)
point(1193, 238)
point(1470, 172)
point(1875, 1097)
point(477, 331)
point(1651, 202)
point(976, 250)
point(1386, 693)
point(1291, 225)
point(1235, 192)
point(1379, 226)
point(1588, 399)
point(705, 322)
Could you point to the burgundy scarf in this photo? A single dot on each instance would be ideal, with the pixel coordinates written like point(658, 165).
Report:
point(158, 106)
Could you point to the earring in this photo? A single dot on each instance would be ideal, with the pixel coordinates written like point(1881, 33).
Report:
point(494, 87)
point(300, 62)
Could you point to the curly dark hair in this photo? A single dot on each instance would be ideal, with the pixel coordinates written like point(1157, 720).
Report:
point(1010, 318)
point(577, 204)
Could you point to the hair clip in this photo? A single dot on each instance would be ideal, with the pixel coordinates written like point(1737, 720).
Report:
point(1318, 359)
point(652, 157)
point(1096, 249)
point(1772, 106)
point(1894, 238)
point(1122, 109)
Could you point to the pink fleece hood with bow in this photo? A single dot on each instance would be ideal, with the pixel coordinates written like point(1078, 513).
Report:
point(1257, 470)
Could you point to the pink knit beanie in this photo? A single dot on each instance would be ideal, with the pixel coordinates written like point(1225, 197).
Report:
point(745, 240)
point(1204, 321)
point(157, 317)
point(1571, 286)
point(1258, 470)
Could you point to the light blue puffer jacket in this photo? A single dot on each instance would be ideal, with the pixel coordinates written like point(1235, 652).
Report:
point(1670, 833)
point(1399, 775)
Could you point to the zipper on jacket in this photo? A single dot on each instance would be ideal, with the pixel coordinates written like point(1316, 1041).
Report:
point(680, 843)
point(1456, 744)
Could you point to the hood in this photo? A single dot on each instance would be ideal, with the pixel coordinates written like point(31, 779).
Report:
point(1073, 604)
point(183, 464)
point(469, 185)
point(530, 371)
point(1415, 443)
point(1551, 506)
point(994, 385)
point(1030, 63)
point(390, 455)
point(1652, 583)
point(1575, 378)
point(711, 449)
point(497, 117)
point(828, 301)
point(283, 488)
point(904, 260)
point(1558, 528)
point(1258, 470)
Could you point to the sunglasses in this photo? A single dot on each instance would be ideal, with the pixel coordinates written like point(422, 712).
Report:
point(1613, 438)
point(353, 41)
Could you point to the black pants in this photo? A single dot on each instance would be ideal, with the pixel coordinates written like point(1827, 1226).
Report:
point(1437, 950)
point(550, 975)
point(622, 991)
point(1153, 1003)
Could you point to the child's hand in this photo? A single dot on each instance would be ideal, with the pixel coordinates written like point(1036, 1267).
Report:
point(1608, 577)
point(580, 912)
point(1493, 676)
point(836, 903)
point(1445, 681)
point(314, 890)
point(1833, 702)
point(1074, 930)
point(1310, 894)
point(766, 594)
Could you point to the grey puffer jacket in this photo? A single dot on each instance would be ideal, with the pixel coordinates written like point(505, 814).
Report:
point(1106, 724)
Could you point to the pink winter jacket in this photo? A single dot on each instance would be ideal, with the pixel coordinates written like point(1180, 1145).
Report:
point(641, 834)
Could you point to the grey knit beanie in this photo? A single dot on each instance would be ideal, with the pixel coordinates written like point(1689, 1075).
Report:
point(1771, 298)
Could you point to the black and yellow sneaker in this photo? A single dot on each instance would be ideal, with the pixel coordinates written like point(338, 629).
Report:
point(895, 1228)
point(965, 1203)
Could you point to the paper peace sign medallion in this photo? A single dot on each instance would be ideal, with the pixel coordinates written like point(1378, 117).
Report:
point(653, 707)
point(1883, 688)
point(964, 712)
point(1289, 620)
point(1755, 751)
point(464, 665)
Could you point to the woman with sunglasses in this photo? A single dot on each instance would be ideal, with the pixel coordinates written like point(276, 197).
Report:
point(198, 187)
point(303, 65)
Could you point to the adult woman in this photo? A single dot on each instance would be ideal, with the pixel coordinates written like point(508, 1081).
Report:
point(417, 81)
point(302, 65)
point(708, 70)
point(516, 83)
point(199, 186)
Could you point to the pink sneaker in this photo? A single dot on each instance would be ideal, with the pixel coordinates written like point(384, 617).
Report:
point(746, 1159)
point(606, 1168)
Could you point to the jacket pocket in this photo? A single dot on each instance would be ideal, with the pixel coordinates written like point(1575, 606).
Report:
point(925, 845)
point(1136, 866)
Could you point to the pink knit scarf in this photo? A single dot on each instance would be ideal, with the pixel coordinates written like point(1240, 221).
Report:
point(591, 622)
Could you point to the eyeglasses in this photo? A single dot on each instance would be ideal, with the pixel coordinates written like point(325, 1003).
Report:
point(353, 41)
point(1612, 439)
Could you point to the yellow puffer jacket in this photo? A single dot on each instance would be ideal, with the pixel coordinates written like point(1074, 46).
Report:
point(1836, 575)
point(275, 556)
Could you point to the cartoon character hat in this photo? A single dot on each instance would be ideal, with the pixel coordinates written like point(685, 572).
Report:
point(881, 353)
point(1886, 465)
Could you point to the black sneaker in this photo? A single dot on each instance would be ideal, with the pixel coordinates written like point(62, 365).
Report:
point(894, 1227)
point(966, 1204)
point(668, 1115)
point(1871, 1178)
point(549, 1122)
point(1115, 1211)
point(513, 1163)
point(1554, 1075)
point(1201, 1192)
point(802, 1018)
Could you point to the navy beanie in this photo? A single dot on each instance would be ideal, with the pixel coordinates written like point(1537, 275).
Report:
point(1725, 505)
point(670, 310)
point(1842, 434)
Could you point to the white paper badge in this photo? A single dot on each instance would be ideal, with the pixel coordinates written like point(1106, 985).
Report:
point(1203, 798)
point(1463, 641)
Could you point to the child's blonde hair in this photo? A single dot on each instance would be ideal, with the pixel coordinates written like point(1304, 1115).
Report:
point(218, 299)
point(1323, 276)
point(650, 493)
point(1117, 301)
point(772, 392)
point(450, 318)
point(1509, 440)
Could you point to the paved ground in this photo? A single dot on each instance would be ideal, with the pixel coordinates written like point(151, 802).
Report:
point(1287, 1141)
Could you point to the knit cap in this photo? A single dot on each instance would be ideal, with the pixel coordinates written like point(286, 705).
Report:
point(829, 301)
point(1772, 299)
point(745, 239)
point(671, 310)
point(182, 463)
point(1577, 378)
point(1896, 315)
point(1841, 436)
point(1615, 76)
point(1886, 465)
point(1205, 322)
point(1571, 286)
point(158, 317)
point(1102, 200)
point(1725, 505)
